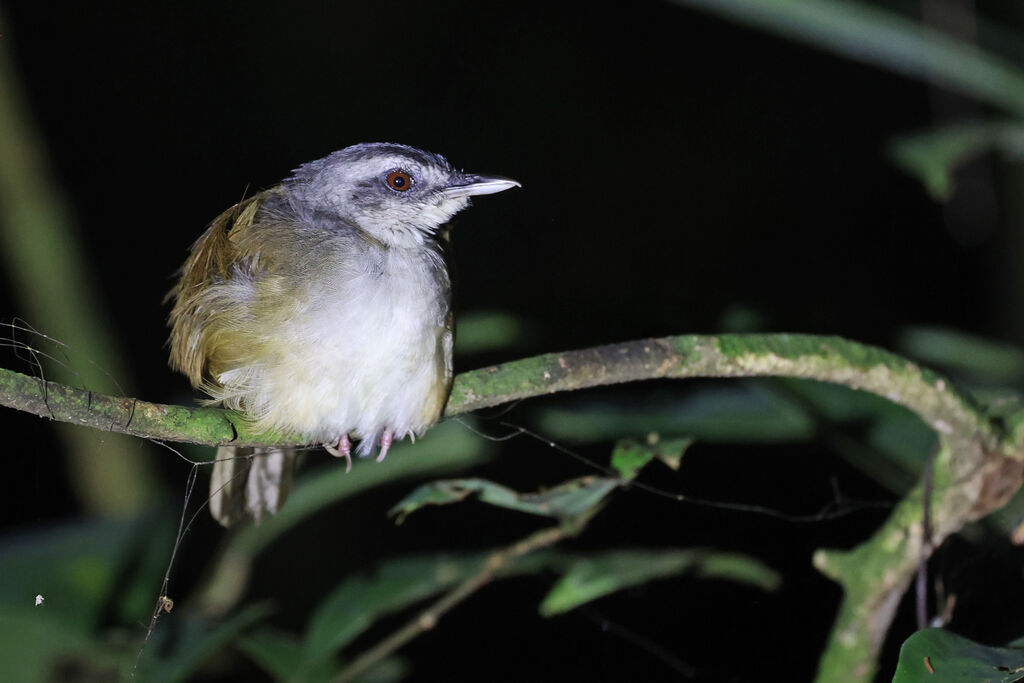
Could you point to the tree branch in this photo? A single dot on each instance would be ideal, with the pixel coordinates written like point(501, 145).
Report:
point(977, 469)
point(827, 359)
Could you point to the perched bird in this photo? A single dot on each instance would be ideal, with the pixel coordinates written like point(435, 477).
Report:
point(321, 307)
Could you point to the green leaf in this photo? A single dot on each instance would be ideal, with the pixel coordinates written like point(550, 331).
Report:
point(937, 656)
point(565, 501)
point(594, 576)
point(877, 36)
point(629, 456)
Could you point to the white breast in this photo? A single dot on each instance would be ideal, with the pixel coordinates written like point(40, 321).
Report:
point(368, 351)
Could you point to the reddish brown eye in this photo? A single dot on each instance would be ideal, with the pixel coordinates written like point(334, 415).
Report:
point(400, 181)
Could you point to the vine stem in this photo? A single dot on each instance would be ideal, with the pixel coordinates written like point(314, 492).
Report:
point(977, 468)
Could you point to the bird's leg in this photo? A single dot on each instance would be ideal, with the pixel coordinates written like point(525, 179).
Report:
point(342, 450)
point(386, 439)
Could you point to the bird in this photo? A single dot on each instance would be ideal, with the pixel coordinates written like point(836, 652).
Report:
point(321, 307)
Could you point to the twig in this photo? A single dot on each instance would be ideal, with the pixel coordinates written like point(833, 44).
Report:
point(921, 586)
point(429, 617)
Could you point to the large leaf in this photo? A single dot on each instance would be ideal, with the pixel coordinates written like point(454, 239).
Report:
point(593, 576)
point(884, 38)
point(938, 656)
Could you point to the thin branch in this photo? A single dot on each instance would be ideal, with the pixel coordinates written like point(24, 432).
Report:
point(977, 468)
point(827, 359)
point(428, 618)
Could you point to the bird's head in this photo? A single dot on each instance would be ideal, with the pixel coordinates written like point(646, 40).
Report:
point(396, 194)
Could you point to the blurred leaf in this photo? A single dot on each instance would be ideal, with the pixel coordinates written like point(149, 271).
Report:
point(937, 656)
point(354, 605)
point(671, 451)
point(748, 412)
point(981, 359)
point(893, 432)
point(37, 644)
point(908, 442)
point(194, 640)
point(594, 576)
point(934, 155)
point(74, 566)
point(740, 319)
point(44, 263)
point(358, 602)
point(835, 402)
point(893, 450)
point(479, 331)
point(877, 36)
point(565, 501)
point(149, 555)
point(629, 457)
point(893, 476)
point(281, 655)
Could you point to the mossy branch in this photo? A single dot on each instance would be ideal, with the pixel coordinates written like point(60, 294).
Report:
point(978, 466)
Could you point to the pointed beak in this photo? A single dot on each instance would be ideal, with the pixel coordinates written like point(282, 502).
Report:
point(468, 185)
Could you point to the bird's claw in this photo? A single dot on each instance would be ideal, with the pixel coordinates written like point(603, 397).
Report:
point(386, 439)
point(342, 450)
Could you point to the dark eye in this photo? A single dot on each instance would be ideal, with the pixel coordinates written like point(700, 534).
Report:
point(400, 181)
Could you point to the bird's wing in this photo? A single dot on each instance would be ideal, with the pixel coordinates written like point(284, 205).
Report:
point(215, 258)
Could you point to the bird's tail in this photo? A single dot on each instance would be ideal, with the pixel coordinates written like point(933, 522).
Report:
point(249, 482)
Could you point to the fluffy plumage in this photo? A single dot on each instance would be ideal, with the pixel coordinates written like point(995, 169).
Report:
point(322, 306)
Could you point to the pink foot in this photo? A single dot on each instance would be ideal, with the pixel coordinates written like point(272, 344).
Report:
point(386, 439)
point(342, 450)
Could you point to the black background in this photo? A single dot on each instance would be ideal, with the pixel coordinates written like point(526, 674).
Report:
point(675, 167)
